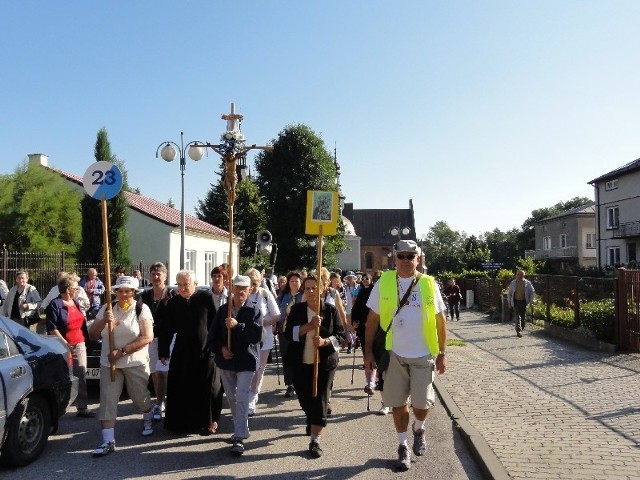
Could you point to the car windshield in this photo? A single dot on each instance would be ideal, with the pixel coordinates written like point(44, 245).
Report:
point(28, 341)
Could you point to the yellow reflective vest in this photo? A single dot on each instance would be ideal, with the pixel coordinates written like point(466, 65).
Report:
point(389, 304)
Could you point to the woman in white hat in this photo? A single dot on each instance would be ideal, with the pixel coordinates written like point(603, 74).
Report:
point(132, 333)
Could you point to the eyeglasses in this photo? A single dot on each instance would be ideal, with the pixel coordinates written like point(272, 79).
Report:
point(406, 256)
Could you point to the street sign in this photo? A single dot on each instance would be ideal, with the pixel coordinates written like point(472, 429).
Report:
point(491, 265)
point(102, 180)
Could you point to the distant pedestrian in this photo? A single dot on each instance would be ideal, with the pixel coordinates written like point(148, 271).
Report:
point(94, 289)
point(409, 308)
point(452, 292)
point(23, 301)
point(141, 281)
point(521, 294)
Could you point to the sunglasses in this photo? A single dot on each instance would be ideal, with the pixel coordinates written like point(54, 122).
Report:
point(406, 256)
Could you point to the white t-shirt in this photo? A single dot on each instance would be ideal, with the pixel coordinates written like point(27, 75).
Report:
point(126, 328)
point(264, 302)
point(408, 337)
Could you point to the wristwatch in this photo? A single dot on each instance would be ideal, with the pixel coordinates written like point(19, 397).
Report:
point(123, 352)
point(442, 352)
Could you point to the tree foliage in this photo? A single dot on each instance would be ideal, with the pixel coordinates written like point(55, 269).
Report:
point(298, 162)
point(249, 216)
point(444, 248)
point(92, 250)
point(38, 211)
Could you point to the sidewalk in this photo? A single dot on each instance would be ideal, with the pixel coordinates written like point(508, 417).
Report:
point(539, 407)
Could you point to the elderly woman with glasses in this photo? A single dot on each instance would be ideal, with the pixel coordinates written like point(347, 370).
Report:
point(66, 320)
point(132, 333)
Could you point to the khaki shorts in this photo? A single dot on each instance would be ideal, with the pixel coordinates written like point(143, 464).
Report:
point(136, 379)
point(409, 377)
point(154, 360)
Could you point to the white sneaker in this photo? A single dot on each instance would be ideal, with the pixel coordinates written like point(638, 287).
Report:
point(105, 449)
point(383, 410)
point(147, 427)
point(157, 413)
point(162, 407)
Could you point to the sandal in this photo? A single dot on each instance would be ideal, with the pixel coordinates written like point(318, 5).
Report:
point(211, 429)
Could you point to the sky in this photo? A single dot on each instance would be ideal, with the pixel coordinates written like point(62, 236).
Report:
point(477, 111)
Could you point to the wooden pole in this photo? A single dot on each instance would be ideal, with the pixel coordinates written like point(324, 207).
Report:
point(107, 280)
point(230, 298)
point(316, 358)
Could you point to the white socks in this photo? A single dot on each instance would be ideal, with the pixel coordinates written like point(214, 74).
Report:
point(108, 435)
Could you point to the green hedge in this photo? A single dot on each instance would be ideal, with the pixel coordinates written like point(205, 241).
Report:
point(597, 317)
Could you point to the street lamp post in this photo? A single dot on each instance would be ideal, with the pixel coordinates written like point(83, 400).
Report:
point(399, 232)
point(168, 152)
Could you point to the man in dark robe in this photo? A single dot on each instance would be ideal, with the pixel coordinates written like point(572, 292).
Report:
point(194, 391)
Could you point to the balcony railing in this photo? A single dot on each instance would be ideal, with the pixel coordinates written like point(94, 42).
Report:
point(626, 230)
point(558, 252)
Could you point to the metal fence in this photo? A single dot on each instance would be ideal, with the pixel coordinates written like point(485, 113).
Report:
point(43, 268)
point(568, 301)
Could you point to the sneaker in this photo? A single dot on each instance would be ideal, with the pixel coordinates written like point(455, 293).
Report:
point(314, 449)
point(105, 449)
point(162, 407)
point(384, 410)
point(349, 350)
point(419, 442)
point(519, 334)
point(404, 458)
point(157, 413)
point(147, 427)
point(238, 447)
point(368, 390)
point(290, 391)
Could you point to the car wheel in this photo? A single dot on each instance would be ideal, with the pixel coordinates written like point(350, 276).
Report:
point(27, 433)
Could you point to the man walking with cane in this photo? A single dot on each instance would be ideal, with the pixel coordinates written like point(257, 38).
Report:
point(409, 308)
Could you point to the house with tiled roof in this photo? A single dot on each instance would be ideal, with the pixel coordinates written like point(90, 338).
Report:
point(617, 203)
point(154, 233)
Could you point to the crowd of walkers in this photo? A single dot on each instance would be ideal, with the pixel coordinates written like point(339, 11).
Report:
point(199, 346)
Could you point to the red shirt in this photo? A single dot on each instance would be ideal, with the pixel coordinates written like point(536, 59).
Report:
point(74, 325)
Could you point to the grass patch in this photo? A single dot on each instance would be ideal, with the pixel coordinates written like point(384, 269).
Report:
point(455, 343)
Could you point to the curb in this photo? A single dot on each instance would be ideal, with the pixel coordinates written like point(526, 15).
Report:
point(480, 449)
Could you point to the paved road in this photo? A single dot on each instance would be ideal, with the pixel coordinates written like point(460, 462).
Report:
point(357, 444)
point(542, 407)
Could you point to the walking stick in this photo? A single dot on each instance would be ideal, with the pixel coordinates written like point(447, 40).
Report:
point(353, 367)
point(107, 280)
point(275, 344)
point(316, 357)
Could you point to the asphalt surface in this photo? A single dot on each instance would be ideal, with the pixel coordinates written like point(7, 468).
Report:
point(522, 408)
point(357, 444)
point(540, 407)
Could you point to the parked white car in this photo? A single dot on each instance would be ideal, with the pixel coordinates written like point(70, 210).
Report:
point(36, 387)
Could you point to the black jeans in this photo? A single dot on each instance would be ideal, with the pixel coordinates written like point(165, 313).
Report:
point(454, 309)
point(519, 311)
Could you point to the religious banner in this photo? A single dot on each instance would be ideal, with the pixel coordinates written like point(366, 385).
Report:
point(322, 210)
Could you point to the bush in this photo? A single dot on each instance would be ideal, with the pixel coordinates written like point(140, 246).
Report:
point(599, 317)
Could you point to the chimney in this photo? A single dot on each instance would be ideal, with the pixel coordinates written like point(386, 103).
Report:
point(38, 159)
